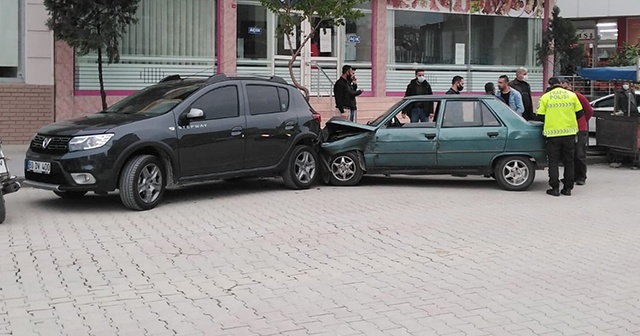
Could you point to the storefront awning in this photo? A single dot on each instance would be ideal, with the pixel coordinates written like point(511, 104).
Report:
point(627, 73)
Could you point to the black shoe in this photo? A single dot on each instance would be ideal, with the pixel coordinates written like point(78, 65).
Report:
point(581, 182)
point(566, 192)
point(553, 192)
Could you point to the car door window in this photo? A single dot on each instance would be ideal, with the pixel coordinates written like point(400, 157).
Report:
point(265, 99)
point(607, 102)
point(220, 103)
point(468, 114)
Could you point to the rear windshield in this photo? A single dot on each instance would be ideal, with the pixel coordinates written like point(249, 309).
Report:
point(157, 99)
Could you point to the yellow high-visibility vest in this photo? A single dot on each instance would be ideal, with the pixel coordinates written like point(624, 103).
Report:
point(559, 106)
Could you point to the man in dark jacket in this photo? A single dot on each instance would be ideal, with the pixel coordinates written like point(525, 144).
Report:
point(419, 111)
point(345, 94)
point(625, 101)
point(457, 85)
point(522, 86)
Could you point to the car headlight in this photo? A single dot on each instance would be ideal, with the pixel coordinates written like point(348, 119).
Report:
point(89, 142)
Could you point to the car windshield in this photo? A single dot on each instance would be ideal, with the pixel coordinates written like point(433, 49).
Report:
point(377, 121)
point(156, 99)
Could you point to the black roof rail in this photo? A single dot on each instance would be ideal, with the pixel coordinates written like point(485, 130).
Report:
point(217, 78)
point(278, 79)
point(170, 78)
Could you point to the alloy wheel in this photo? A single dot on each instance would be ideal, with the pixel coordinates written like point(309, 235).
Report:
point(305, 167)
point(515, 172)
point(343, 168)
point(150, 183)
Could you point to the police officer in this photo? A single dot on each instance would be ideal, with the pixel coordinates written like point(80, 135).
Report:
point(560, 110)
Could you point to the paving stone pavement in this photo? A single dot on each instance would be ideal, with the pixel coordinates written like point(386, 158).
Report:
point(395, 256)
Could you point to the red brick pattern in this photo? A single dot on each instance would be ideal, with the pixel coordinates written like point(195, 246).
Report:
point(23, 109)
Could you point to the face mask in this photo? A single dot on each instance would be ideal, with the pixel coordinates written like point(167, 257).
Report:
point(525, 78)
point(460, 87)
point(421, 79)
point(626, 87)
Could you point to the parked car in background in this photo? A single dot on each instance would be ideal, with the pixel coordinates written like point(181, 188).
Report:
point(603, 104)
point(469, 135)
point(177, 132)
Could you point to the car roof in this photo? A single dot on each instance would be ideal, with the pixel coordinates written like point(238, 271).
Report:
point(218, 78)
point(452, 96)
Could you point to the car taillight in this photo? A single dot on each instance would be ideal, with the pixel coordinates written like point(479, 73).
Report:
point(317, 117)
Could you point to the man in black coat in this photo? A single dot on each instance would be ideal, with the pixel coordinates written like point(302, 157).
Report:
point(345, 93)
point(418, 111)
point(521, 85)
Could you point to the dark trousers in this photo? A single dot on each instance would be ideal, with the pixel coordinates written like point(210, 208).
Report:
point(581, 156)
point(561, 149)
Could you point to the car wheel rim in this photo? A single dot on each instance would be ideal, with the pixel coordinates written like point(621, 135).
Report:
point(305, 167)
point(150, 183)
point(343, 168)
point(515, 172)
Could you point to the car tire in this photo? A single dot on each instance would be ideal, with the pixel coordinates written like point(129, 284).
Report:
point(70, 194)
point(345, 169)
point(142, 183)
point(515, 173)
point(3, 209)
point(302, 168)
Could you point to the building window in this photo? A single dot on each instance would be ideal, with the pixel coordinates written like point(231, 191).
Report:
point(10, 35)
point(252, 32)
point(427, 38)
point(358, 39)
point(497, 40)
point(170, 37)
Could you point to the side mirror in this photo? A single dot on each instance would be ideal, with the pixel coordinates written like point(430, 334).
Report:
point(195, 113)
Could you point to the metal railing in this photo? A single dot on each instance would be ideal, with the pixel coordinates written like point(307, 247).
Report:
point(322, 76)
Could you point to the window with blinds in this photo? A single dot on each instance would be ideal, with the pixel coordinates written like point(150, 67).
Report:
point(170, 37)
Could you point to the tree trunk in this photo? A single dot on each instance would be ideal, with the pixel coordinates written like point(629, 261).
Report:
point(103, 94)
point(294, 56)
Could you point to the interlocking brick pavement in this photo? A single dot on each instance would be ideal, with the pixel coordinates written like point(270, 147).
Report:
point(395, 256)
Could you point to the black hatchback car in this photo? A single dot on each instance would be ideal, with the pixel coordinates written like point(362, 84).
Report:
point(180, 131)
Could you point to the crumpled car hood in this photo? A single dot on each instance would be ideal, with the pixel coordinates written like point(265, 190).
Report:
point(343, 136)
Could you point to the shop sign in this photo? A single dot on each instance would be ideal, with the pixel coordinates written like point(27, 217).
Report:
point(354, 39)
point(511, 8)
point(586, 34)
point(255, 31)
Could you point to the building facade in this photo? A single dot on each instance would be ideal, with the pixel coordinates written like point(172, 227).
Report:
point(26, 70)
point(479, 40)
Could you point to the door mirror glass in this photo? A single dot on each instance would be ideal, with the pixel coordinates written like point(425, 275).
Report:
point(195, 113)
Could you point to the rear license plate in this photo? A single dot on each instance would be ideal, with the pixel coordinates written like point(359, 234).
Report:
point(3, 167)
point(39, 167)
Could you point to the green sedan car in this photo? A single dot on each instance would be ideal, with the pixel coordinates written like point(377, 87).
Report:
point(467, 135)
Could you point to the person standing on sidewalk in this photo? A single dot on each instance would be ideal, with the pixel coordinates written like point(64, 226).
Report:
point(513, 98)
point(583, 135)
point(560, 110)
point(522, 86)
point(418, 111)
point(344, 93)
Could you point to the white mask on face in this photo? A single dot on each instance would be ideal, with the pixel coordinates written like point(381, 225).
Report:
point(626, 87)
point(421, 79)
point(525, 78)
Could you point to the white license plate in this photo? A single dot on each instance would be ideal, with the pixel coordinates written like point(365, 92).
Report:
point(39, 167)
point(3, 167)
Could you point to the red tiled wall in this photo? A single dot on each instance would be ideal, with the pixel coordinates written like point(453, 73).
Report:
point(24, 109)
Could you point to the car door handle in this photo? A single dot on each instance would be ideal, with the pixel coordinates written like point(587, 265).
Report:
point(493, 134)
point(289, 125)
point(236, 131)
point(430, 136)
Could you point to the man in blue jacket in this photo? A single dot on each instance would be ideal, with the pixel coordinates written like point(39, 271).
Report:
point(511, 97)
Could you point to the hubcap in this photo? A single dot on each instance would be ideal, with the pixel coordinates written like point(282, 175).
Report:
point(305, 167)
point(515, 172)
point(343, 168)
point(150, 183)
